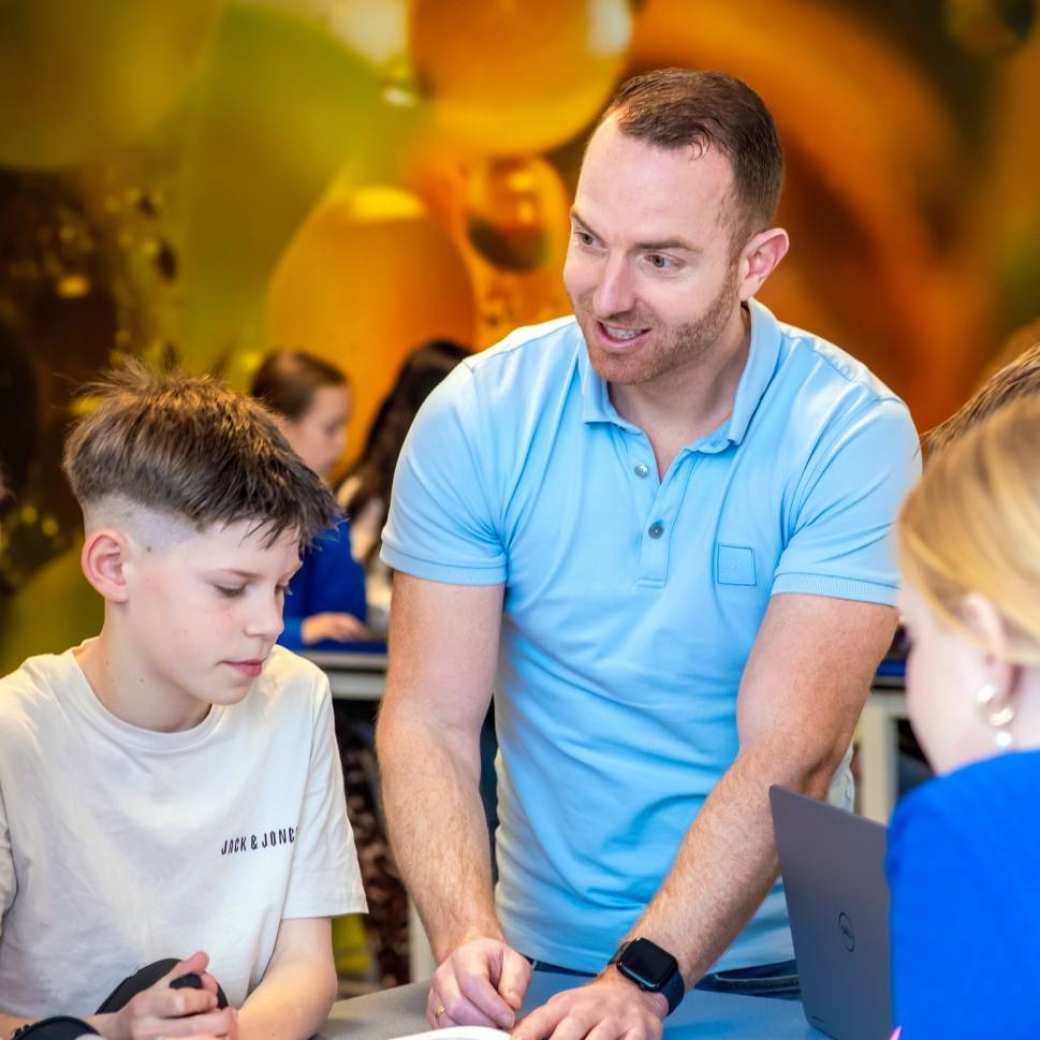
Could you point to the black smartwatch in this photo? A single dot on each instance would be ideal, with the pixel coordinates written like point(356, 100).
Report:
point(651, 969)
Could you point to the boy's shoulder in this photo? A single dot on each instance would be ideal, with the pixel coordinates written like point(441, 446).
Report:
point(288, 705)
point(291, 680)
point(36, 688)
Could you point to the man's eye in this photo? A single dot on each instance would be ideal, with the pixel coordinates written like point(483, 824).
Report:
point(231, 592)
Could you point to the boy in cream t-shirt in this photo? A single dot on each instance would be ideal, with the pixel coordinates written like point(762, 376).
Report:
point(171, 788)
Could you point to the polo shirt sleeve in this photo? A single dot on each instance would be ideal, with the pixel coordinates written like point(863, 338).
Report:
point(443, 524)
point(839, 540)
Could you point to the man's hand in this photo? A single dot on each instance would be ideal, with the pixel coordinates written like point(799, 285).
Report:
point(481, 983)
point(341, 627)
point(160, 1011)
point(607, 1008)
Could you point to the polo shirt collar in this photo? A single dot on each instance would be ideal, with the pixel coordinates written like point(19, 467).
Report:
point(596, 405)
point(758, 372)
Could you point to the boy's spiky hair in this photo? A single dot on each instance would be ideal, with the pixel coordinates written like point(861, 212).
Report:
point(190, 447)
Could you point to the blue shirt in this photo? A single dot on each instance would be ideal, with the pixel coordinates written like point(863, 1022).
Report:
point(329, 580)
point(632, 603)
point(964, 874)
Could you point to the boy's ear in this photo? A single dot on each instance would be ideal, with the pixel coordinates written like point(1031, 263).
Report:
point(104, 559)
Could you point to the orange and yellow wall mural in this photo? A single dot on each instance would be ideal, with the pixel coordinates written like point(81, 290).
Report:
point(195, 181)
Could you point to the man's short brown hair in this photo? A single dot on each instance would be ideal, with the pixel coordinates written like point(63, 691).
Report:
point(677, 108)
point(1019, 378)
point(190, 447)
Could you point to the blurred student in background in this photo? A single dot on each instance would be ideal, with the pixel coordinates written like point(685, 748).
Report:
point(365, 494)
point(311, 401)
point(964, 850)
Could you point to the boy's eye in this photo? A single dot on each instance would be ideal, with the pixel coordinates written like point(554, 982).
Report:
point(230, 591)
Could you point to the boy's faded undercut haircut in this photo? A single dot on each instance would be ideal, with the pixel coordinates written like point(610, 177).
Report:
point(190, 447)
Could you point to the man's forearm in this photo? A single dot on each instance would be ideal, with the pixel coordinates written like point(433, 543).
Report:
point(726, 864)
point(431, 792)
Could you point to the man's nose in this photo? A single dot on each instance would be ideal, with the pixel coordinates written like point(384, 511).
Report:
point(614, 293)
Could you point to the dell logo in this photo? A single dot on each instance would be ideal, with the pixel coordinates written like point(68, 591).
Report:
point(848, 936)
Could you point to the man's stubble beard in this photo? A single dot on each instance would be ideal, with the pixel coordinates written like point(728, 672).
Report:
point(685, 346)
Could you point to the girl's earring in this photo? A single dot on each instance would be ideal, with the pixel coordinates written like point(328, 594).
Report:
point(999, 718)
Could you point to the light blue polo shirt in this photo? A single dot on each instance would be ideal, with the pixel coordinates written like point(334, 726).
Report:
point(632, 603)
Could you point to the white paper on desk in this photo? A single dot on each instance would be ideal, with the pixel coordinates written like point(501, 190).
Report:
point(459, 1033)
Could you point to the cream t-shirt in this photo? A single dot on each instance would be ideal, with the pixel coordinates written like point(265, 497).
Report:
point(119, 845)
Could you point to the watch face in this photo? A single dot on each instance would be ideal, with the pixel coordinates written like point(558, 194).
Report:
point(647, 964)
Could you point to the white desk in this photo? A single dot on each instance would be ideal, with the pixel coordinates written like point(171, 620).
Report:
point(701, 1016)
point(352, 677)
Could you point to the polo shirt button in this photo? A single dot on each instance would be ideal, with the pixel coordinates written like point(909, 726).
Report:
point(642, 469)
point(656, 529)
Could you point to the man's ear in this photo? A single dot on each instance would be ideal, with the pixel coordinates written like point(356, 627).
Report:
point(104, 559)
point(759, 259)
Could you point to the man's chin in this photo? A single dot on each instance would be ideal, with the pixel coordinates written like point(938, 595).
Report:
point(620, 369)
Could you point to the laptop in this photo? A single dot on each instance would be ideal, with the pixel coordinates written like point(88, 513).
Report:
point(832, 863)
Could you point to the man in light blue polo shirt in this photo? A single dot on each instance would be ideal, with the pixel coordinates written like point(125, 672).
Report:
point(659, 530)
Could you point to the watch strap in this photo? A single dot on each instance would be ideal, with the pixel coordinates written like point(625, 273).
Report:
point(673, 989)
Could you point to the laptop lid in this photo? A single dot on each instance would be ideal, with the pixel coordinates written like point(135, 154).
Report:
point(832, 864)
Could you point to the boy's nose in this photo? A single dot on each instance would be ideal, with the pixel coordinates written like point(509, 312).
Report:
point(267, 621)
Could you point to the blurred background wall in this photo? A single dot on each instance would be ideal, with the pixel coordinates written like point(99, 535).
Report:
point(195, 181)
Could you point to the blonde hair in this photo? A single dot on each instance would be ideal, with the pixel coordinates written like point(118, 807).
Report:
point(972, 525)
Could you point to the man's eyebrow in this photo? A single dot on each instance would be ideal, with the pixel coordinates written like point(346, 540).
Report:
point(584, 225)
point(646, 247)
point(668, 243)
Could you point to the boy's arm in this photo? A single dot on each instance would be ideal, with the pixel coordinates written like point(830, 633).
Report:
point(9, 1023)
point(298, 988)
point(159, 1011)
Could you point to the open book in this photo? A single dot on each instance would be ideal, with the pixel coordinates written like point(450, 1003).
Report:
point(459, 1033)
